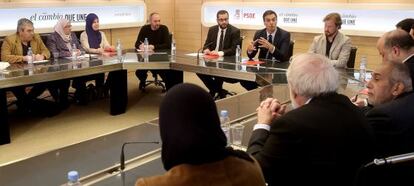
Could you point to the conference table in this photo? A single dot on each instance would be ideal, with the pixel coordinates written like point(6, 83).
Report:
point(98, 160)
point(65, 68)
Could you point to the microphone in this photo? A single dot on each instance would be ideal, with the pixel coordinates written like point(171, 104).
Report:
point(205, 46)
point(122, 159)
point(395, 159)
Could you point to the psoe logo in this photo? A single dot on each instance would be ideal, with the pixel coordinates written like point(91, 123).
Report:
point(249, 15)
point(237, 14)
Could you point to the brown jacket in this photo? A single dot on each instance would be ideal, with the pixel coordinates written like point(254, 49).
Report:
point(230, 171)
point(12, 51)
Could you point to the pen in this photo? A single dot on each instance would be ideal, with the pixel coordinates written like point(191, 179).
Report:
point(356, 98)
point(286, 102)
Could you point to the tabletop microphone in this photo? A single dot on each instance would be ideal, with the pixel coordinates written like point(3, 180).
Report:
point(205, 46)
point(395, 159)
point(122, 160)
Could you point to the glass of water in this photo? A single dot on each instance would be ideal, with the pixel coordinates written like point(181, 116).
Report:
point(55, 56)
point(237, 134)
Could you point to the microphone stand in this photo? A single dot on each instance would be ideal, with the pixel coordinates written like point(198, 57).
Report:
point(122, 159)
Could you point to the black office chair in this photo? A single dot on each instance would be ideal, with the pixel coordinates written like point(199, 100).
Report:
point(351, 60)
point(290, 51)
point(156, 81)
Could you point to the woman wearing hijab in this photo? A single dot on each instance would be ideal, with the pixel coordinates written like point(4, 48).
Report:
point(194, 148)
point(95, 42)
point(61, 41)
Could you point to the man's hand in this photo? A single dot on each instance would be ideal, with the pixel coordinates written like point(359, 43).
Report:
point(268, 110)
point(251, 47)
point(38, 57)
point(359, 102)
point(206, 51)
point(265, 44)
point(214, 53)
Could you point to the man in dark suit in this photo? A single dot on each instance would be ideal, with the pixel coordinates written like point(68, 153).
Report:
point(222, 40)
point(323, 141)
point(390, 114)
point(397, 45)
point(273, 42)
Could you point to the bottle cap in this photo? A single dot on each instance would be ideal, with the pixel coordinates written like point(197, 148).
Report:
point(73, 176)
point(224, 113)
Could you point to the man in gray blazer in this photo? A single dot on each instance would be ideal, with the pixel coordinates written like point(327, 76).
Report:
point(333, 44)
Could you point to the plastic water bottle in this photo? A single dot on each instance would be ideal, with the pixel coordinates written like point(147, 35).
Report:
point(30, 60)
point(146, 45)
point(173, 48)
point(73, 179)
point(362, 70)
point(119, 50)
point(238, 53)
point(225, 124)
point(74, 52)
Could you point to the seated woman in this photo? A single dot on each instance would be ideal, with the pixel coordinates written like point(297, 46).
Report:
point(94, 42)
point(61, 41)
point(194, 148)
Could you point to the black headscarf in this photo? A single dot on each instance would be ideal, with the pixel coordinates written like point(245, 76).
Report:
point(190, 128)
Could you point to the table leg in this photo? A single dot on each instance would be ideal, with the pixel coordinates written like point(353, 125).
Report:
point(118, 88)
point(4, 123)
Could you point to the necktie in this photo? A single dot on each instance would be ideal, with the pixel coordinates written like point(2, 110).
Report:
point(220, 48)
point(270, 40)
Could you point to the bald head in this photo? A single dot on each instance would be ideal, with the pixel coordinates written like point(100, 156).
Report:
point(380, 45)
point(398, 45)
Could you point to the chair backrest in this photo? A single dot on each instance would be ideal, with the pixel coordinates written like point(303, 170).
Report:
point(1, 44)
point(291, 46)
point(352, 55)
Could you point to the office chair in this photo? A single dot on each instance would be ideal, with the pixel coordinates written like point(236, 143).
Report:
point(351, 60)
point(290, 51)
point(156, 81)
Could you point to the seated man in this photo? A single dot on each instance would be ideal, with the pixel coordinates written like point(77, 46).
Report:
point(397, 45)
point(222, 40)
point(390, 114)
point(323, 141)
point(333, 44)
point(271, 42)
point(14, 50)
point(158, 38)
point(405, 24)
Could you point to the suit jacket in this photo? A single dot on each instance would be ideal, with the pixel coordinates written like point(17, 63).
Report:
point(231, 39)
point(55, 43)
point(410, 64)
point(281, 41)
point(321, 143)
point(12, 50)
point(393, 125)
point(340, 49)
point(230, 171)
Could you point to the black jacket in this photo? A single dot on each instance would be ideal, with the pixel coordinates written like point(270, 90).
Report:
point(281, 42)
point(410, 64)
point(321, 143)
point(231, 39)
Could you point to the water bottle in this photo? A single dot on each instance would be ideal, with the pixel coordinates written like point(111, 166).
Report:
point(238, 53)
point(73, 179)
point(362, 70)
point(146, 45)
point(30, 60)
point(225, 124)
point(173, 49)
point(119, 50)
point(74, 52)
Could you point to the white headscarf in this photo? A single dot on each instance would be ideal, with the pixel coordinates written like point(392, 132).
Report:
point(59, 28)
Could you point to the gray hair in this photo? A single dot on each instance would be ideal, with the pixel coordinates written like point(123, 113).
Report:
point(311, 75)
point(400, 73)
point(23, 22)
